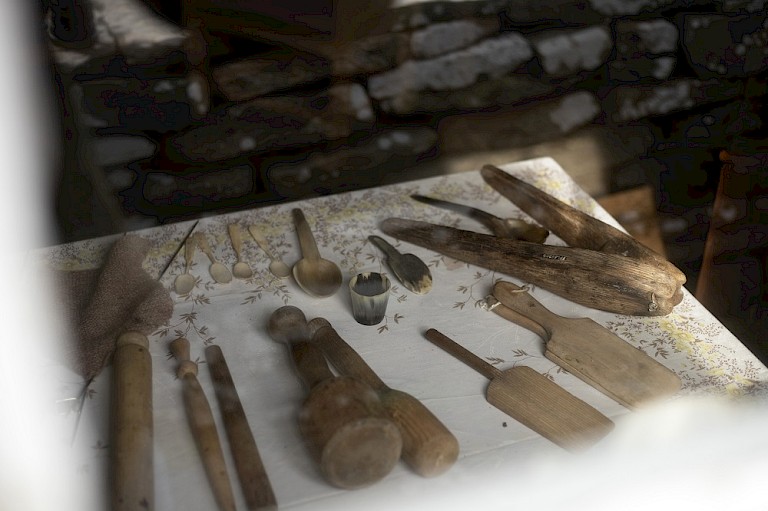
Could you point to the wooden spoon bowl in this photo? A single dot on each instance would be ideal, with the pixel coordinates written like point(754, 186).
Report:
point(185, 282)
point(241, 269)
point(316, 276)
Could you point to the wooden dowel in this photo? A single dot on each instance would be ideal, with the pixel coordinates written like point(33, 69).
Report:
point(250, 468)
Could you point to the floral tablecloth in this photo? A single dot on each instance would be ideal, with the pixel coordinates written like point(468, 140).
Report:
point(708, 359)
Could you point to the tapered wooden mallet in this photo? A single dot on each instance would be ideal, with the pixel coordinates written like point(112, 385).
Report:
point(429, 448)
point(203, 426)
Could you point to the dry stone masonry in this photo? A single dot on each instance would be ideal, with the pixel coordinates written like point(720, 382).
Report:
point(217, 108)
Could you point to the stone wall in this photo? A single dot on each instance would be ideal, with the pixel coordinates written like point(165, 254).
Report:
point(214, 107)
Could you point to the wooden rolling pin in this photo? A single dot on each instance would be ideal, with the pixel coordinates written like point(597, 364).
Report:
point(254, 481)
point(428, 447)
point(342, 419)
point(203, 426)
point(132, 429)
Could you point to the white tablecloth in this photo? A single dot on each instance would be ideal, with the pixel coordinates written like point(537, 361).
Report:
point(502, 463)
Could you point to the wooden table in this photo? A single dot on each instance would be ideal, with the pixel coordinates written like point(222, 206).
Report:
point(502, 463)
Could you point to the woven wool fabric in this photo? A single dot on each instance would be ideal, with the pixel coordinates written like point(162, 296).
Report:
point(102, 303)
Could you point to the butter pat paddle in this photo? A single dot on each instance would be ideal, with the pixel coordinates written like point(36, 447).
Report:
point(588, 350)
point(534, 400)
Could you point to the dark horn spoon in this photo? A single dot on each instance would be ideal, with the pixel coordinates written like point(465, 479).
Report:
point(408, 268)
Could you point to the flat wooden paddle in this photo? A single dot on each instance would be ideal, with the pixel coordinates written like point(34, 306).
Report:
point(534, 400)
point(429, 448)
point(588, 350)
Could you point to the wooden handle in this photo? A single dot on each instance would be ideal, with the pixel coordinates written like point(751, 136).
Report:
point(250, 468)
point(288, 325)
point(461, 353)
point(132, 426)
point(189, 254)
point(306, 239)
point(479, 215)
point(493, 304)
point(518, 301)
point(310, 363)
point(261, 241)
point(384, 246)
point(429, 448)
point(202, 242)
point(237, 239)
point(203, 427)
point(341, 354)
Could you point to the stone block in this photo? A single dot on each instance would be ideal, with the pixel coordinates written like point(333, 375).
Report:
point(640, 68)
point(503, 91)
point(114, 150)
point(550, 12)
point(743, 5)
point(369, 55)
point(646, 37)
point(630, 103)
point(159, 105)
point(441, 38)
point(630, 7)
point(490, 58)
point(276, 123)
point(351, 166)
point(566, 52)
point(268, 72)
point(412, 14)
point(211, 186)
point(127, 28)
point(519, 126)
point(731, 46)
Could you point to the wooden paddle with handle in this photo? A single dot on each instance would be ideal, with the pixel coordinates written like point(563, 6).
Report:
point(588, 350)
point(131, 423)
point(203, 426)
point(342, 419)
point(428, 447)
point(250, 469)
point(534, 400)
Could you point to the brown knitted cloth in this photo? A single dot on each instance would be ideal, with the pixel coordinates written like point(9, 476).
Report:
point(101, 304)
